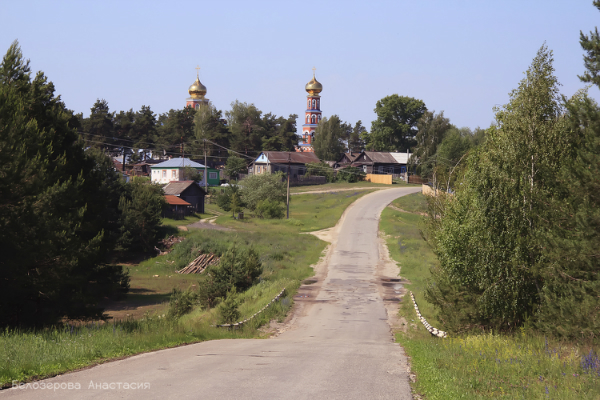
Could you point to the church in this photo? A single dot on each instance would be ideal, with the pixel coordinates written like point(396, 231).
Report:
point(312, 115)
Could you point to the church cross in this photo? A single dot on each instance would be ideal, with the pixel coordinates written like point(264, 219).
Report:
point(197, 71)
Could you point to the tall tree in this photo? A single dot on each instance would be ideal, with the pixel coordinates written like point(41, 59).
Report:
point(395, 126)
point(52, 245)
point(355, 141)
point(143, 129)
point(98, 129)
point(330, 136)
point(209, 125)
point(244, 122)
point(492, 261)
point(431, 129)
point(591, 45)
point(175, 126)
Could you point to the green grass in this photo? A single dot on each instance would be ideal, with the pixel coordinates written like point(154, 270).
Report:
point(343, 186)
point(286, 255)
point(522, 366)
point(308, 212)
point(189, 219)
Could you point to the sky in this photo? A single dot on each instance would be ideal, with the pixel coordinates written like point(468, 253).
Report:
point(461, 56)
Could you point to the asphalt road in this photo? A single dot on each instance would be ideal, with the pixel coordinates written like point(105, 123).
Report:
point(338, 346)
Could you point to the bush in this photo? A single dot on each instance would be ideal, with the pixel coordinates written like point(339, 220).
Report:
point(256, 188)
point(182, 302)
point(230, 199)
point(269, 209)
point(229, 312)
point(237, 268)
point(351, 174)
point(321, 169)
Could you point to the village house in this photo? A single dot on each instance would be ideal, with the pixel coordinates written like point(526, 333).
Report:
point(377, 162)
point(273, 161)
point(173, 170)
point(188, 191)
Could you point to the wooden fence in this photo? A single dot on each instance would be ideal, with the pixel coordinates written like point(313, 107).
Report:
point(376, 178)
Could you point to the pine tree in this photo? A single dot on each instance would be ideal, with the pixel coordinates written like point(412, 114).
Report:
point(52, 247)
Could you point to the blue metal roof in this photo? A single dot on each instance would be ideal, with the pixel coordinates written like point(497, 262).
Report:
point(178, 163)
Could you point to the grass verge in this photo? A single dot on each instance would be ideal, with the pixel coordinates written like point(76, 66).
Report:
point(520, 366)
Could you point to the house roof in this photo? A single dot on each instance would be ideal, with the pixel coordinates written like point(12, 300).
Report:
point(282, 157)
point(177, 187)
point(401, 158)
point(380, 157)
point(176, 201)
point(178, 163)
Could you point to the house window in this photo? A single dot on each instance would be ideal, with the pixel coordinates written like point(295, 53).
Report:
point(380, 169)
point(164, 173)
point(173, 173)
point(212, 175)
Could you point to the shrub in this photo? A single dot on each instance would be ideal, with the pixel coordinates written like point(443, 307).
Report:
point(237, 268)
point(229, 312)
point(182, 302)
point(351, 174)
point(269, 209)
point(256, 188)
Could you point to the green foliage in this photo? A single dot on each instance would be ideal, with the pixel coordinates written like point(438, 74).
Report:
point(356, 142)
point(182, 302)
point(269, 209)
point(490, 237)
point(351, 174)
point(330, 137)
point(591, 45)
point(239, 268)
point(235, 166)
point(141, 206)
point(229, 312)
point(251, 131)
point(431, 129)
point(262, 187)
point(321, 169)
point(58, 207)
point(394, 128)
point(229, 199)
point(191, 174)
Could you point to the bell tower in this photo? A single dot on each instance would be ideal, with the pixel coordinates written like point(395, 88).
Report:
point(312, 116)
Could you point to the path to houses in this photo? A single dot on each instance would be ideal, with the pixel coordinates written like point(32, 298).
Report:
point(337, 345)
point(356, 189)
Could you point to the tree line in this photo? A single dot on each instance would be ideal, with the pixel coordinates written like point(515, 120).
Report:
point(519, 242)
point(243, 128)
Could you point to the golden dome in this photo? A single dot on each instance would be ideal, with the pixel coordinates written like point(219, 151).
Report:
point(197, 90)
point(314, 87)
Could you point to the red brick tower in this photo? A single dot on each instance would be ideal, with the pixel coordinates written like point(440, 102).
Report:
point(312, 116)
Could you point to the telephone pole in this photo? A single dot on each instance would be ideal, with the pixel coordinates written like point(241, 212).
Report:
point(205, 176)
point(288, 185)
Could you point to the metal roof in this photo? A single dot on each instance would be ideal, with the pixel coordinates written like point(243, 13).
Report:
point(178, 163)
point(176, 201)
point(294, 157)
point(401, 158)
point(177, 187)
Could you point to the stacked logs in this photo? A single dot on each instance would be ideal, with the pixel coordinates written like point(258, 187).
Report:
point(430, 329)
point(200, 264)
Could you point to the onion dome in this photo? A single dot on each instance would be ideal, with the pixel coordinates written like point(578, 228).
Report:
point(197, 90)
point(314, 87)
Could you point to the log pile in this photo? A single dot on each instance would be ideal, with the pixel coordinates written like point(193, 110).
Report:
point(200, 264)
point(168, 244)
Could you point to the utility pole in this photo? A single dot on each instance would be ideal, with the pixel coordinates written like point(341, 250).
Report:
point(288, 185)
point(205, 176)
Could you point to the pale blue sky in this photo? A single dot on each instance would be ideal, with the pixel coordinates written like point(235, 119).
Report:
point(462, 57)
